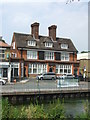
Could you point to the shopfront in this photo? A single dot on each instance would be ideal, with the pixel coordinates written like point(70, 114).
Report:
point(4, 70)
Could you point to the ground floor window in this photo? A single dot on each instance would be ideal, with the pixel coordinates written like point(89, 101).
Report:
point(63, 69)
point(37, 68)
point(15, 69)
point(3, 72)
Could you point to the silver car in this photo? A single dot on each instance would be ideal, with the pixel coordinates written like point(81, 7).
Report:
point(47, 76)
point(2, 82)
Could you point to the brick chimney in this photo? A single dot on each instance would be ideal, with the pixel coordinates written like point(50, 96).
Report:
point(52, 32)
point(35, 29)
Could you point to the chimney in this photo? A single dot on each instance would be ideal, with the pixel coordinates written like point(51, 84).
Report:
point(52, 32)
point(35, 29)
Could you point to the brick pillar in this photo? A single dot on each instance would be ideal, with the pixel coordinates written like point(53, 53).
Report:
point(20, 70)
point(78, 71)
point(26, 70)
point(72, 69)
point(54, 68)
point(47, 67)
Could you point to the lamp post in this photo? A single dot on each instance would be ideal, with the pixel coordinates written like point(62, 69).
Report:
point(38, 87)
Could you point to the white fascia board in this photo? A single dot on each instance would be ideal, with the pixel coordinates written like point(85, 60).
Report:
point(43, 50)
point(4, 63)
point(2, 48)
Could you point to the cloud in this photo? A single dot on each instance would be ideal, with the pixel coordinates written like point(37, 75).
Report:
point(71, 19)
point(24, 1)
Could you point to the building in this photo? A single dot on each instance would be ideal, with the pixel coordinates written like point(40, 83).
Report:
point(32, 54)
point(84, 59)
point(4, 59)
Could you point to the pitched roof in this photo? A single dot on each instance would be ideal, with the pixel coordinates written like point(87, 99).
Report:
point(21, 42)
point(3, 44)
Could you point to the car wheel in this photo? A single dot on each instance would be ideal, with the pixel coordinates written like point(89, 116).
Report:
point(1, 83)
point(41, 78)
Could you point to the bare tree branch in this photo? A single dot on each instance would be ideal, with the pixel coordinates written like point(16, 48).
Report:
point(69, 1)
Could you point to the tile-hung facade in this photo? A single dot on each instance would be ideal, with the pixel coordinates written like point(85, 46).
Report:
point(33, 54)
point(4, 60)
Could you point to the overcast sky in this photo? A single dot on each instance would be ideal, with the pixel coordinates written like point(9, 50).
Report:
point(71, 19)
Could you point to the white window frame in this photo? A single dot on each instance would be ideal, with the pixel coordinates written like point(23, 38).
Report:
point(31, 54)
point(2, 53)
point(64, 56)
point(31, 43)
point(49, 55)
point(13, 66)
point(64, 46)
point(40, 68)
point(63, 67)
point(48, 44)
point(14, 55)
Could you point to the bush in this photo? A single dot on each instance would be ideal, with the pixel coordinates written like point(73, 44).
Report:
point(54, 110)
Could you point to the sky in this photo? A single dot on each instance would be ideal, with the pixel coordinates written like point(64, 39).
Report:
point(71, 19)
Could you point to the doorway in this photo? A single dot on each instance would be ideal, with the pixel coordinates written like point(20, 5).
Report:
point(75, 71)
point(50, 69)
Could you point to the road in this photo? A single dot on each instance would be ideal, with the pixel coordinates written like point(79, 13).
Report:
point(33, 85)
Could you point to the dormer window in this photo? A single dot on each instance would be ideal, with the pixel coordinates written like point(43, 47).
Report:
point(32, 43)
point(64, 46)
point(48, 44)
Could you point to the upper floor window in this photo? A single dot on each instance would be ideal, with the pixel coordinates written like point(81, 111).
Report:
point(48, 44)
point(32, 43)
point(64, 46)
point(2, 54)
point(65, 56)
point(31, 54)
point(49, 55)
point(14, 55)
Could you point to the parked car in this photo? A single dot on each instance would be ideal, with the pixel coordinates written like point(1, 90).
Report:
point(2, 82)
point(47, 76)
point(70, 76)
point(64, 76)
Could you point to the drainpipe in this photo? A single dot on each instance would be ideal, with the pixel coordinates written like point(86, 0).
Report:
point(73, 56)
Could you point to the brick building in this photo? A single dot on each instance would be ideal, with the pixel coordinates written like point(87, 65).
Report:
point(32, 54)
point(4, 60)
point(84, 59)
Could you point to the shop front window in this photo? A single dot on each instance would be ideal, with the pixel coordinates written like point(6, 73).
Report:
point(37, 68)
point(63, 69)
point(4, 72)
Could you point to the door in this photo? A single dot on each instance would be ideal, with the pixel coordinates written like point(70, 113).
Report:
point(50, 69)
point(75, 71)
point(24, 72)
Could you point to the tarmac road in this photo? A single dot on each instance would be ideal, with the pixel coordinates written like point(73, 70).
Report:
point(33, 84)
